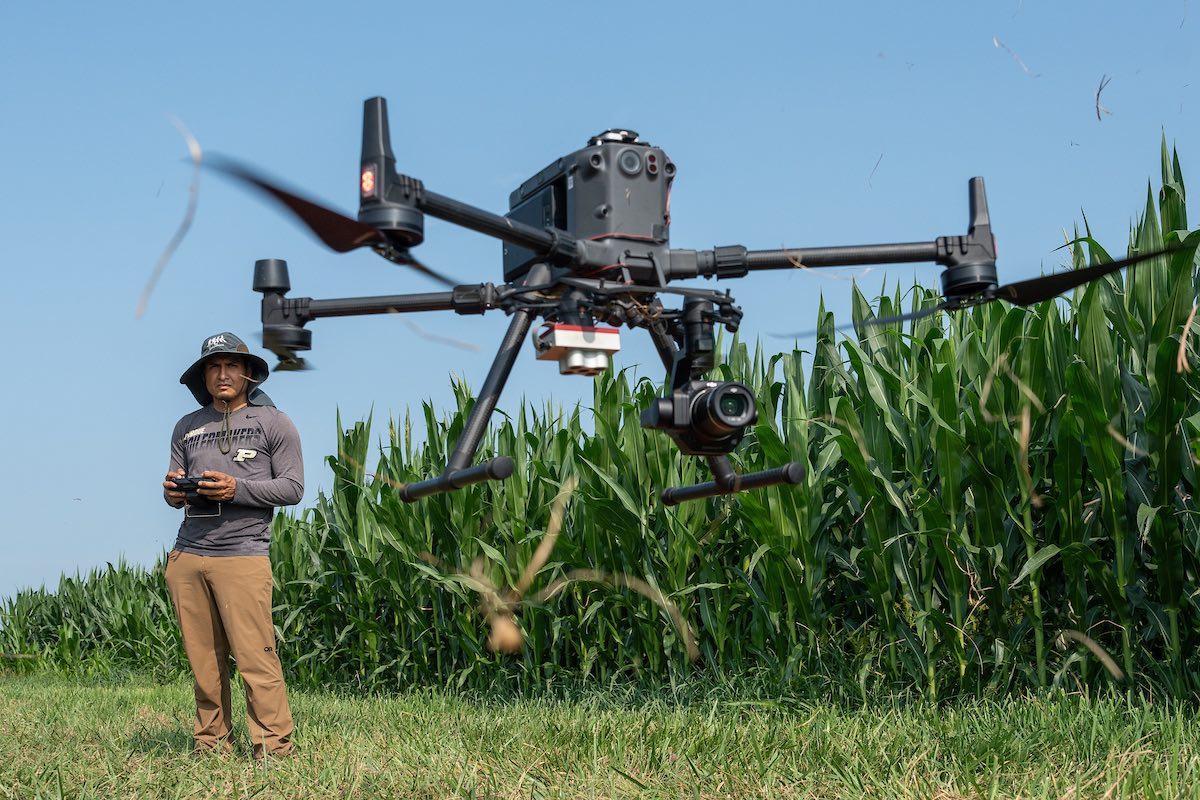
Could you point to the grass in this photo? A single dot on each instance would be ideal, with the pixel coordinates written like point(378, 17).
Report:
point(130, 738)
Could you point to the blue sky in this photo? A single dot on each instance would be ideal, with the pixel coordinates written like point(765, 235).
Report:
point(792, 124)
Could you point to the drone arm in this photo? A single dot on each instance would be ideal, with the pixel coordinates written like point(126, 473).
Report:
point(383, 304)
point(395, 204)
point(736, 261)
point(556, 246)
point(284, 317)
point(467, 299)
point(970, 260)
point(457, 474)
point(854, 255)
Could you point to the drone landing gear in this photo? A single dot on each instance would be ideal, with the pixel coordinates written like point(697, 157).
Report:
point(728, 482)
point(457, 473)
point(497, 469)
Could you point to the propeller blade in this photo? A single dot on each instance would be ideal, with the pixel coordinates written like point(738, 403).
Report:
point(810, 334)
point(925, 312)
point(339, 232)
point(406, 258)
point(433, 337)
point(293, 364)
point(1035, 290)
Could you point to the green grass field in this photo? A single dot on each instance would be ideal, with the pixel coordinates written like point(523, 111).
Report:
point(65, 737)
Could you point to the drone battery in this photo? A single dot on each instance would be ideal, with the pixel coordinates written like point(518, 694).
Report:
point(578, 349)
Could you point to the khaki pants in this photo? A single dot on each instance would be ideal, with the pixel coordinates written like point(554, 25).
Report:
point(224, 603)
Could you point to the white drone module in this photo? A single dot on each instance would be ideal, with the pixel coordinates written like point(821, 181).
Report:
point(578, 349)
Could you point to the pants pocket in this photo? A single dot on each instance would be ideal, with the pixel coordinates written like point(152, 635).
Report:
point(172, 557)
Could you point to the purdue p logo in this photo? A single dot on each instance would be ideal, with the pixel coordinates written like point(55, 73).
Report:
point(242, 455)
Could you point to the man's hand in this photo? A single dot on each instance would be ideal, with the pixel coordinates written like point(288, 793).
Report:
point(174, 497)
point(220, 487)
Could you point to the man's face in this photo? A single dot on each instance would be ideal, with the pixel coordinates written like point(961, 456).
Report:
point(226, 378)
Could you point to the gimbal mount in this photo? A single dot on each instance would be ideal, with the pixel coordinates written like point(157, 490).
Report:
point(586, 244)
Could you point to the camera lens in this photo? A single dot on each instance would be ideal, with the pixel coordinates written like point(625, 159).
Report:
point(723, 409)
point(629, 161)
point(732, 405)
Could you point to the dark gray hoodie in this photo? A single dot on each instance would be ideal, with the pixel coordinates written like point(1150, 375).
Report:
point(263, 455)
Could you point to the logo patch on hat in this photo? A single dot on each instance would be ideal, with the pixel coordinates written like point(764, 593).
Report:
point(215, 341)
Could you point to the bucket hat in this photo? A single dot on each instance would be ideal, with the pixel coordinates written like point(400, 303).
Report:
point(226, 342)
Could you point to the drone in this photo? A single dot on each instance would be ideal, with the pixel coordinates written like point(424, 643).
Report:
point(586, 251)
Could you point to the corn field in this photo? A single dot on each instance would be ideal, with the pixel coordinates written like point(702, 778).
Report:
point(1001, 499)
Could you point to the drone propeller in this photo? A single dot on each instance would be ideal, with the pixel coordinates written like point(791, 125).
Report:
point(945, 305)
point(406, 258)
point(293, 364)
point(337, 231)
point(1035, 290)
point(1021, 293)
point(288, 360)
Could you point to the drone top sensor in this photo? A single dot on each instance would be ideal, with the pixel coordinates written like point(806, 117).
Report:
point(618, 188)
point(587, 251)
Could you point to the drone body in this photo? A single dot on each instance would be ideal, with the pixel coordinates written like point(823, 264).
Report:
point(587, 251)
point(617, 189)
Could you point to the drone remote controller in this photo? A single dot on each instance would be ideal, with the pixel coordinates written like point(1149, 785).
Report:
point(190, 487)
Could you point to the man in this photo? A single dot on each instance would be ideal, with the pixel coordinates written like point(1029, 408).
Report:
point(219, 572)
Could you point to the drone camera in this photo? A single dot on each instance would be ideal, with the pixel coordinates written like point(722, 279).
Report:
point(704, 417)
point(578, 349)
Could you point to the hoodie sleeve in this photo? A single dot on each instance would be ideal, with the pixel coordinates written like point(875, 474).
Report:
point(178, 457)
point(286, 486)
